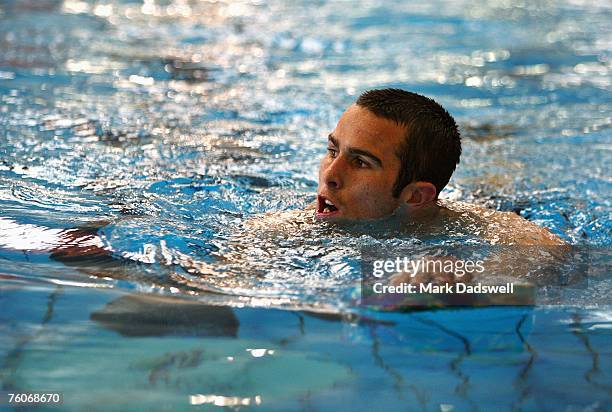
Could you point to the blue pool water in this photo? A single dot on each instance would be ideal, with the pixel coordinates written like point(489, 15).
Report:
point(162, 131)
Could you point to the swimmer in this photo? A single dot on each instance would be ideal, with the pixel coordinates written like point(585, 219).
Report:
point(389, 157)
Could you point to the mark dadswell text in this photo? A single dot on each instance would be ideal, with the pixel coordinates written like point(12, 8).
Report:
point(450, 288)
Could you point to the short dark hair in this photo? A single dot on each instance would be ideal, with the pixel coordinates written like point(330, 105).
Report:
point(431, 149)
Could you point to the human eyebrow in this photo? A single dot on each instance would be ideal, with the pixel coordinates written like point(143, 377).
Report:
point(364, 153)
point(356, 152)
point(332, 139)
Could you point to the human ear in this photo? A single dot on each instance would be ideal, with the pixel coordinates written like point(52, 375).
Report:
point(417, 194)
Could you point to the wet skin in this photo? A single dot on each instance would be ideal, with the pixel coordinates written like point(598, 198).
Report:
point(360, 168)
point(359, 171)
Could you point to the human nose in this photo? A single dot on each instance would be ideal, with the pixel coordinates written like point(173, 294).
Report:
point(332, 173)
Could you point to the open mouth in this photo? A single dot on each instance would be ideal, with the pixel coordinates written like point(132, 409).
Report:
point(326, 208)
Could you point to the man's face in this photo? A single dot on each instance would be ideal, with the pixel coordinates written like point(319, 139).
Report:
point(360, 168)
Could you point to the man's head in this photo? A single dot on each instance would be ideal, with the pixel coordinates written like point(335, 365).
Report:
point(390, 148)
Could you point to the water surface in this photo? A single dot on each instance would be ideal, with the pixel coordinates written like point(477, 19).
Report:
point(166, 128)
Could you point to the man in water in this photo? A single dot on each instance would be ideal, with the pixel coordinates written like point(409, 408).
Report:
point(390, 155)
point(388, 158)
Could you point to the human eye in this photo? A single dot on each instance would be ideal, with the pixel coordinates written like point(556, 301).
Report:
point(332, 152)
point(361, 163)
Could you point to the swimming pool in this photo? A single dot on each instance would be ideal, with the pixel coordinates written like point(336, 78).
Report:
point(168, 128)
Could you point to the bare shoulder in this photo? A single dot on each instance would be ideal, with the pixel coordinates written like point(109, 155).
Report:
point(504, 228)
